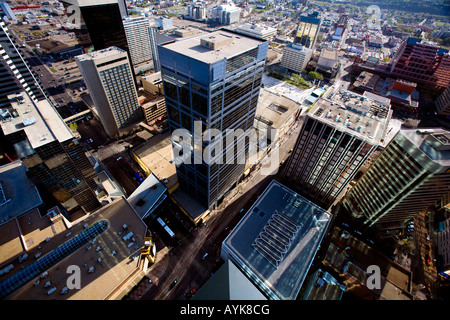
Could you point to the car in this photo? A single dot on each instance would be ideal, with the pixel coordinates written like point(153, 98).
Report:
point(204, 256)
point(173, 284)
point(119, 158)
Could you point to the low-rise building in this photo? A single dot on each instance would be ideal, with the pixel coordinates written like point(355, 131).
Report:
point(40, 250)
point(256, 30)
point(328, 63)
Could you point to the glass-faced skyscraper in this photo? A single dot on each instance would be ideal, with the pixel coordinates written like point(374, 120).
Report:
point(212, 81)
point(411, 174)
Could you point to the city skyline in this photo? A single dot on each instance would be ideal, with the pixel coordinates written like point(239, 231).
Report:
point(224, 150)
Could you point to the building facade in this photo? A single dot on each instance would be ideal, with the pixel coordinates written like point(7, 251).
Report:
point(15, 75)
point(410, 174)
point(196, 11)
point(423, 63)
point(138, 37)
point(109, 78)
point(295, 57)
point(337, 136)
point(443, 103)
point(218, 89)
point(308, 31)
point(54, 159)
point(226, 14)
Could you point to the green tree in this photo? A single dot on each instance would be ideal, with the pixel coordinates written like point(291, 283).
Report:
point(315, 75)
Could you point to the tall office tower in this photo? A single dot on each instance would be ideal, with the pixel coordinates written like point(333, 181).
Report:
point(101, 23)
point(443, 103)
point(137, 31)
point(53, 157)
point(338, 134)
point(308, 31)
point(7, 10)
point(109, 78)
point(295, 57)
point(156, 39)
point(214, 78)
point(15, 75)
point(423, 63)
point(412, 173)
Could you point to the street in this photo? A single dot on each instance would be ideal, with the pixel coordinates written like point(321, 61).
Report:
point(184, 261)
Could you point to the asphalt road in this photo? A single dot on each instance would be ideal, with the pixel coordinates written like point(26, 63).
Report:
point(184, 261)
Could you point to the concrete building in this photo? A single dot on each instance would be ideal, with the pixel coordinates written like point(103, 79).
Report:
point(424, 63)
point(226, 14)
point(411, 174)
point(137, 31)
point(328, 63)
point(152, 99)
point(213, 80)
point(308, 31)
point(295, 57)
point(196, 11)
point(163, 23)
point(276, 241)
point(275, 115)
point(443, 103)
point(109, 78)
point(53, 157)
point(338, 135)
point(255, 30)
point(40, 248)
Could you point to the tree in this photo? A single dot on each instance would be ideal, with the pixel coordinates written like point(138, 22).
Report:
point(315, 75)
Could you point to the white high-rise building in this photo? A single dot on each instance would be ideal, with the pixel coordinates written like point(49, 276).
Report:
point(226, 13)
point(338, 135)
point(296, 57)
point(109, 78)
point(138, 38)
point(196, 11)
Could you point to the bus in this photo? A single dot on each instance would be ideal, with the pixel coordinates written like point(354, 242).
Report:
point(166, 227)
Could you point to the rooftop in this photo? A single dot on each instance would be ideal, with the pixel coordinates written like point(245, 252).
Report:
point(434, 142)
point(356, 114)
point(157, 155)
point(147, 195)
point(69, 245)
point(40, 121)
point(18, 194)
point(277, 240)
point(99, 55)
point(275, 109)
point(192, 47)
